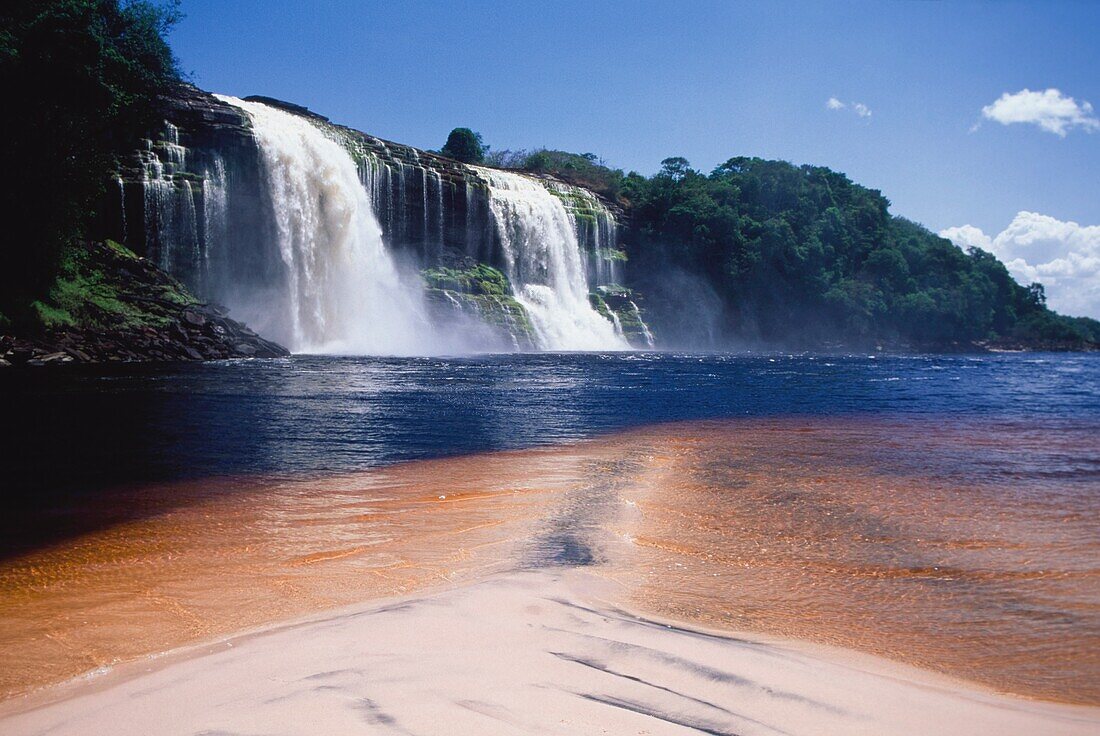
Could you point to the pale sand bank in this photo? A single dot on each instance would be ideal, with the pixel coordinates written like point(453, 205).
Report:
point(543, 651)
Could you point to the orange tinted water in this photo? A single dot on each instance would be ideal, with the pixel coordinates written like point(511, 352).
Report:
point(955, 547)
point(237, 553)
point(968, 548)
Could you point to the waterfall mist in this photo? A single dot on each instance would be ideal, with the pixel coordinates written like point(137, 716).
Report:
point(683, 308)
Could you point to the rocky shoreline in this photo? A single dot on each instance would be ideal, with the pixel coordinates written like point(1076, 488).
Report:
point(203, 332)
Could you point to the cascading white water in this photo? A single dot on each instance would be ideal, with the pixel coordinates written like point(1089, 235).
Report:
point(599, 236)
point(122, 209)
point(544, 262)
point(341, 290)
point(169, 217)
point(215, 209)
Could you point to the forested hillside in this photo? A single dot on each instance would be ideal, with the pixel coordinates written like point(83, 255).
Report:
point(801, 255)
point(83, 78)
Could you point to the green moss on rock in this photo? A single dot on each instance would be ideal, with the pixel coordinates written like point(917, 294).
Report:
point(478, 279)
point(483, 292)
point(94, 288)
point(597, 302)
point(616, 303)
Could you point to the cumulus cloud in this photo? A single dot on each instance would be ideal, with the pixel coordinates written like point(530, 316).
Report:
point(1050, 110)
point(968, 236)
point(1063, 256)
point(857, 107)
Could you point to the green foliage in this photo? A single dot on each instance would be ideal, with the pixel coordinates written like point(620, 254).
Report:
point(465, 145)
point(94, 289)
point(676, 168)
point(51, 317)
point(580, 169)
point(802, 252)
point(479, 279)
point(484, 291)
point(84, 76)
point(597, 302)
point(616, 304)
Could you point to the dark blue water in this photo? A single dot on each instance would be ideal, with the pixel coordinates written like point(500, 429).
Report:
point(309, 414)
point(79, 431)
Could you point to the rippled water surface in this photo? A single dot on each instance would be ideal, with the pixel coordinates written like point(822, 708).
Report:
point(940, 510)
point(312, 413)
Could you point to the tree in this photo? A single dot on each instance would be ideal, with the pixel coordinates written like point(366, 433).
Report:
point(465, 145)
point(675, 168)
point(539, 161)
point(85, 76)
point(803, 254)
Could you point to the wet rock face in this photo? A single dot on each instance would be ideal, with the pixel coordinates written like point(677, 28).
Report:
point(430, 207)
point(619, 305)
point(483, 295)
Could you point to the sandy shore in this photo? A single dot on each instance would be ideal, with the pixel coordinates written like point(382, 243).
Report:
point(578, 589)
point(527, 652)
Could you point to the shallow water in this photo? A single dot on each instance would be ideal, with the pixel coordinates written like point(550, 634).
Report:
point(967, 547)
point(940, 510)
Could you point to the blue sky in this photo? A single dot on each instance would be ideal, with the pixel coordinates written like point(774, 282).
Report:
point(637, 82)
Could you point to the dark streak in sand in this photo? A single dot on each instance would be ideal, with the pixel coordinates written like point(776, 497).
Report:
point(601, 667)
point(701, 726)
point(708, 673)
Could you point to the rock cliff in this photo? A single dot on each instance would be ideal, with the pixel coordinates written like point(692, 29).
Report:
point(194, 194)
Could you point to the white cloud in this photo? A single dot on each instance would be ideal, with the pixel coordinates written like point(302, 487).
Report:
point(968, 236)
point(857, 107)
point(1063, 256)
point(1050, 110)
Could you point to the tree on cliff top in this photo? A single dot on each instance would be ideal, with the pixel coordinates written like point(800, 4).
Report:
point(465, 145)
point(82, 78)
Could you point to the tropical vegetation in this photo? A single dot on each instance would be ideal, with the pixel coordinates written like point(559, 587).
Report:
point(82, 78)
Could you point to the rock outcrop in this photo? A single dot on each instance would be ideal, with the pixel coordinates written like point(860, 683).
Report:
point(109, 305)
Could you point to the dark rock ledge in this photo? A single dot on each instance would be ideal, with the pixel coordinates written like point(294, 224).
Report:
point(111, 306)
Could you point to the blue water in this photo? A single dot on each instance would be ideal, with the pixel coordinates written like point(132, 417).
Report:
point(80, 428)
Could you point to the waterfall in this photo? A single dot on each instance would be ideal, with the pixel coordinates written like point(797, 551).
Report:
point(215, 213)
point(161, 210)
point(645, 328)
point(122, 209)
point(544, 262)
point(439, 210)
point(598, 232)
point(339, 290)
point(299, 231)
point(171, 217)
